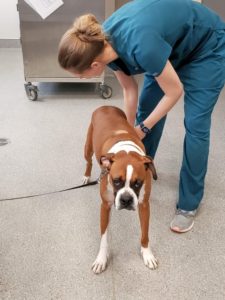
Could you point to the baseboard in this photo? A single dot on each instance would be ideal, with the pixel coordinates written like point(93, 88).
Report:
point(10, 43)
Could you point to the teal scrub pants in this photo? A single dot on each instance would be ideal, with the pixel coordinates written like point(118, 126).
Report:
point(203, 79)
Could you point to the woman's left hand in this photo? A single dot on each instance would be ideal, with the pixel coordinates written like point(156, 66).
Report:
point(140, 133)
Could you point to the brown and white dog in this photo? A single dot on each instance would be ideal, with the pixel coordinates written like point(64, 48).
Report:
point(127, 183)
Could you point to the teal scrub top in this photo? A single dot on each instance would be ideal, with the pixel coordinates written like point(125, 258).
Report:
point(146, 33)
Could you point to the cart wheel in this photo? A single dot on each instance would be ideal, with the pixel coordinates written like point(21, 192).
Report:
point(105, 91)
point(32, 91)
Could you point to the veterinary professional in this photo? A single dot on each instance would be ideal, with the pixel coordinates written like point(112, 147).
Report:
point(179, 45)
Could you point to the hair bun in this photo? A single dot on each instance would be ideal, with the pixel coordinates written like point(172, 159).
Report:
point(87, 29)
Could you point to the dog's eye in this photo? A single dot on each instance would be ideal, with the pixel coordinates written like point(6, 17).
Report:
point(117, 181)
point(137, 184)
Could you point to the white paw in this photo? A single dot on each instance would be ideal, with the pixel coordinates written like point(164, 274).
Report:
point(149, 260)
point(100, 263)
point(86, 179)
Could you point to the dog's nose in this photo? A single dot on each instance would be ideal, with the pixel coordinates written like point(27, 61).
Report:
point(126, 200)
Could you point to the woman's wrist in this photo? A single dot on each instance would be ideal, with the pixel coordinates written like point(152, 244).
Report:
point(144, 128)
point(139, 132)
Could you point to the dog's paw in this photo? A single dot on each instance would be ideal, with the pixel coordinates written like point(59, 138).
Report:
point(86, 179)
point(100, 263)
point(149, 260)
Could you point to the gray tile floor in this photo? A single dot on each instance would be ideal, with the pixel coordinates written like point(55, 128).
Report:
point(48, 243)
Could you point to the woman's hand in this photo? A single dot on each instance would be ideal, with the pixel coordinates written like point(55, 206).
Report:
point(140, 133)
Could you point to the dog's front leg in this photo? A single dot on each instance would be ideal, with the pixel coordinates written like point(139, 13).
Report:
point(88, 153)
point(99, 264)
point(144, 214)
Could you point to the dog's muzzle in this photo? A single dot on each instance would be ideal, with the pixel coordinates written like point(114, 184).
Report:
point(126, 201)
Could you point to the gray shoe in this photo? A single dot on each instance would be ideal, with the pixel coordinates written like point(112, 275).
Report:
point(183, 220)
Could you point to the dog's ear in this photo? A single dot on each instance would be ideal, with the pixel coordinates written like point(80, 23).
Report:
point(107, 160)
point(148, 162)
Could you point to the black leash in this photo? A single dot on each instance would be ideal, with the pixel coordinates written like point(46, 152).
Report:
point(103, 172)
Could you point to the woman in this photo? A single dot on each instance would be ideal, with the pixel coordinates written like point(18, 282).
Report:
point(180, 47)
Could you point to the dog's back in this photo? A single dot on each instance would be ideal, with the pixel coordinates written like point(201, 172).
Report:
point(110, 125)
point(109, 116)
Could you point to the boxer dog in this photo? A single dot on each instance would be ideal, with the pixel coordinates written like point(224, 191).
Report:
point(126, 175)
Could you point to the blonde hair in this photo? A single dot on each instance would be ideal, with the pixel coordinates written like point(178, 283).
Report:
point(81, 44)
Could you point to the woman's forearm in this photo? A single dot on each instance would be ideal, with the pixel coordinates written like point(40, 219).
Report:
point(130, 103)
point(172, 87)
point(130, 93)
point(163, 107)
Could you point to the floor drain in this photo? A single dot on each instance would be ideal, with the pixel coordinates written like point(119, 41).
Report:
point(3, 141)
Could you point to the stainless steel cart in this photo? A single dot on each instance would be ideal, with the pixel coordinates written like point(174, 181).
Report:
point(40, 39)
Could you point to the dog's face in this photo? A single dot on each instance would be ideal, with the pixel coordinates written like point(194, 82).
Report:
point(127, 177)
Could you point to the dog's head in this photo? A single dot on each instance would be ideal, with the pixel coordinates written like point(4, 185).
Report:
point(127, 177)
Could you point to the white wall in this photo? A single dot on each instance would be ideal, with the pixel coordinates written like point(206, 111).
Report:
point(9, 20)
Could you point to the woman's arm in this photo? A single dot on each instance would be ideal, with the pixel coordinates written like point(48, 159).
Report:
point(130, 93)
point(172, 87)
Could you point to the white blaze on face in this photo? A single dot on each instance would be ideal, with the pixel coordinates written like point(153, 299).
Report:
point(128, 176)
point(127, 189)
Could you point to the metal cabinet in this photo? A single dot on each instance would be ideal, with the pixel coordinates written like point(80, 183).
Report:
point(119, 3)
point(40, 39)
